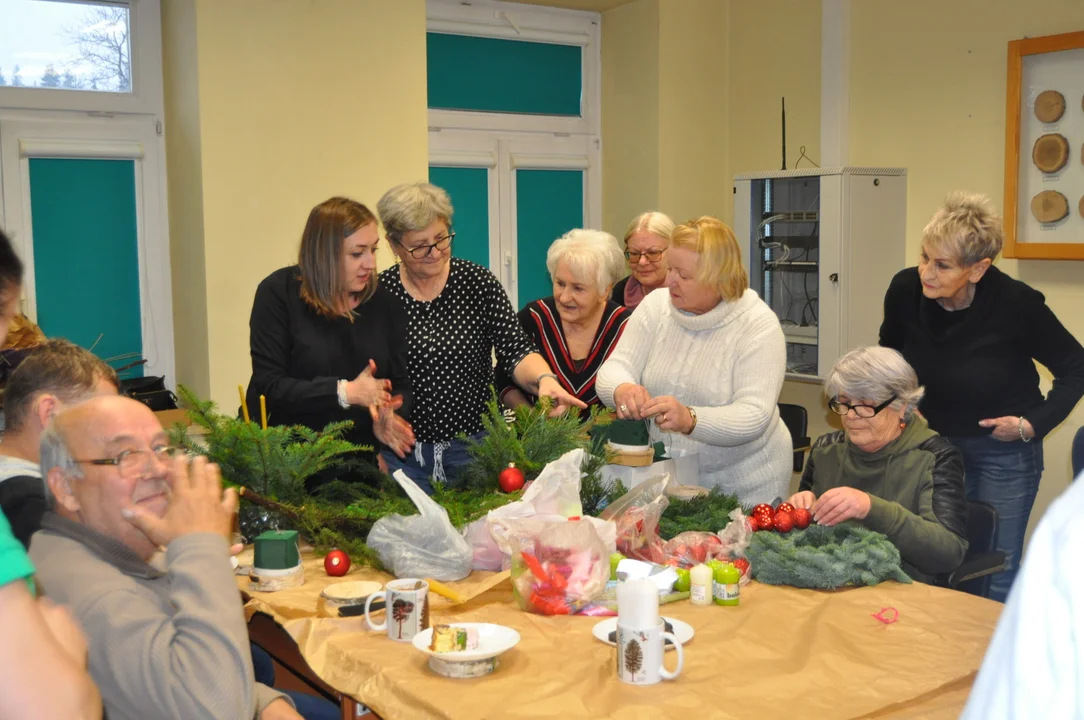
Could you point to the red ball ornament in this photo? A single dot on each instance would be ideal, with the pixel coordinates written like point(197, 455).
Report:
point(763, 509)
point(336, 563)
point(802, 518)
point(742, 564)
point(785, 507)
point(764, 522)
point(783, 522)
point(511, 478)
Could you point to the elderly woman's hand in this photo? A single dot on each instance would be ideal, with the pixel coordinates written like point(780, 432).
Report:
point(804, 499)
point(629, 398)
point(669, 413)
point(839, 504)
point(562, 400)
point(1008, 428)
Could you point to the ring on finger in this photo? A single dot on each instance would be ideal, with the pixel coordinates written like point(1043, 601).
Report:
point(624, 408)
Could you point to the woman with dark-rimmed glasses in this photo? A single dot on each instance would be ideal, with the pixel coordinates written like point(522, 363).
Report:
point(458, 317)
point(886, 469)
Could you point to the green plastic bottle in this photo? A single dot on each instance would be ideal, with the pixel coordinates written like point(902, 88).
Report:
point(725, 588)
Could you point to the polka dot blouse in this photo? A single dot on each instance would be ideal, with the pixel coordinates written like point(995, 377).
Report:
point(450, 344)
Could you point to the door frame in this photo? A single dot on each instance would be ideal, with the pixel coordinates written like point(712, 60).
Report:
point(24, 135)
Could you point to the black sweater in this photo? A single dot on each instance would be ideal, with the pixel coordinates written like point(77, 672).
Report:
point(977, 363)
point(298, 356)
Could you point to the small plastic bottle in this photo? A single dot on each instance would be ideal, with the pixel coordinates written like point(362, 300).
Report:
point(725, 588)
point(700, 585)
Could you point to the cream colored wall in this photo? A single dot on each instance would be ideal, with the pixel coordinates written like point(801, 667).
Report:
point(928, 94)
point(297, 101)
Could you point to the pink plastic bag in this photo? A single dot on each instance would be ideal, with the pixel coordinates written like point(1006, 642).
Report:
point(563, 569)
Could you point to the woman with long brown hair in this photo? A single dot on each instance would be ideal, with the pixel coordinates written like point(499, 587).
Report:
point(327, 342)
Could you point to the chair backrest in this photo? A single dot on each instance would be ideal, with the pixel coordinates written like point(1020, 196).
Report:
point(1078, 453)
point(981, 527)
point(796, 419)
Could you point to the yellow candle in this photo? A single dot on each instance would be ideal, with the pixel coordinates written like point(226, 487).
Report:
point(263, 412)
point(244, 407)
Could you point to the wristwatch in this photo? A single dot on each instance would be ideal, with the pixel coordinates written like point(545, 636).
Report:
point(692, 411)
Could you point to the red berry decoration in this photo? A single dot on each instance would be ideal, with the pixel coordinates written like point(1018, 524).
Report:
point(742, 564)
point(783, 522)
point(764, 522)
point(336, 563)
point(802, 518)
point(511, 478)
point(785, 507)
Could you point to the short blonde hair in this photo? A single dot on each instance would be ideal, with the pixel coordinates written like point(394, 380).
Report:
point(412, 207)
point(720, 257)
point(654, 222)
point(968, 226)
point(591, 255)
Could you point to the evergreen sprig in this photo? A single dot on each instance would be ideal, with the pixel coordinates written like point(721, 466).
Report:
point(710, 513)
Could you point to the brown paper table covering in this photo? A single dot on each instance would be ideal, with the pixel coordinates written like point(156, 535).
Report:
point(783, 652)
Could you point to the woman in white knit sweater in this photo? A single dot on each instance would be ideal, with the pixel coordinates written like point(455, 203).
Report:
point(704, 360)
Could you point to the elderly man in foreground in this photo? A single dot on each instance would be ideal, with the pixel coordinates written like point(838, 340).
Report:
point(166, 643)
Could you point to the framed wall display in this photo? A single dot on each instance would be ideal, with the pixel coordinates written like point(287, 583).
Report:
point(1044, 148)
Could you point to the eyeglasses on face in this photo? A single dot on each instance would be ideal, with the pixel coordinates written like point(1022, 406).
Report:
point(423, 251)
point(130, 463)
point(862, 411)
point(652, 255)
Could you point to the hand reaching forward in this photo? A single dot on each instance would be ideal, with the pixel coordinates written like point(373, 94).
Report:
point(198, 504)
point(839, 504)
point(390, 429)
point(366, 390)
point(562, 400)
point(804, 499)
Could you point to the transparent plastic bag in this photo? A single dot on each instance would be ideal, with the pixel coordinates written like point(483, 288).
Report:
point(562, 569)
point(691, 548)
point(425, 545)
point(637, 514)
point(734, 539)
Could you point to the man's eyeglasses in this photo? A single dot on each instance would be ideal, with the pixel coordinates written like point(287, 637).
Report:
point(862, 411)
point(652, 255)
point(130, 463)
point(424, 251)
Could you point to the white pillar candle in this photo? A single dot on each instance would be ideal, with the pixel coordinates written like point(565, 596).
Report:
point(638, 604)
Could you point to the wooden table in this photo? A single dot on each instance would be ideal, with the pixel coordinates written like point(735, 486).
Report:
point(797, 652)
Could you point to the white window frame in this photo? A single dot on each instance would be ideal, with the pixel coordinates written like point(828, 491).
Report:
point(512, 21)
point(145, 39)
point(24, 135)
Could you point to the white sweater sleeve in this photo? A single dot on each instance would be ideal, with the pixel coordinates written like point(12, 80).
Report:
point(757, 381)
point(626, 363)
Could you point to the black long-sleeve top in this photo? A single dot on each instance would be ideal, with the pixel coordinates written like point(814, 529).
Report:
point(299, 356)
point(976, 363)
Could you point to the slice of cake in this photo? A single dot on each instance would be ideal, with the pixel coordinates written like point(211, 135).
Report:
point(447, 638)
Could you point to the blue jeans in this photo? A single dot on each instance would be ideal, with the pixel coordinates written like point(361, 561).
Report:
point(1005, 475)
point(308, 706)
point(427, 460)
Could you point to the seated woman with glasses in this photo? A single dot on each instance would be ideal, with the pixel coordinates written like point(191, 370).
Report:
point(578, 326)
point(886, 469)
point(646, 241)
point(327, 343)
point(458, 316)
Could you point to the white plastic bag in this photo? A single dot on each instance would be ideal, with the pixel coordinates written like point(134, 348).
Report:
point(426, 545)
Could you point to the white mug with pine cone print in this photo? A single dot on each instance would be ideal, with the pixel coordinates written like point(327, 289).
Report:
point(407, 614)
point(640, 653)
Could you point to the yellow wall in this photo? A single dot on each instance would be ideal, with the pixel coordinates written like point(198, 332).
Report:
point(278, 106)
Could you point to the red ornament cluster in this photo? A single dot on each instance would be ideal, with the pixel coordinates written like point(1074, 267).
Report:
point(783, 518)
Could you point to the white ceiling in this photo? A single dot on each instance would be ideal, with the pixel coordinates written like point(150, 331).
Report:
point(590, 5)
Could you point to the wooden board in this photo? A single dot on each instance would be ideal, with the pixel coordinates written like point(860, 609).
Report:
point(1049, 106)
point(1049, 206)
point(1050, 153)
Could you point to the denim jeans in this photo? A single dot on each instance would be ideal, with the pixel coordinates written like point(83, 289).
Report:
point(1005, 475)
point(308, 706)
point(427, 460)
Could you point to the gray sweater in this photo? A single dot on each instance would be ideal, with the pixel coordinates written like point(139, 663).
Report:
point(168, 644)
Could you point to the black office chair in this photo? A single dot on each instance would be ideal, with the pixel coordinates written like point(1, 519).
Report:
point(796, 419)
point(983, 559)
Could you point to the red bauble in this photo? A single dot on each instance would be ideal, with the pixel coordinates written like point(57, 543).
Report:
point(802, 518)
point(764, 522)
point(783, 521)
point(751, 523)
point(511, 478)
point(742, 564)
point(785, 507)
point(763, 509)
point(336, 563)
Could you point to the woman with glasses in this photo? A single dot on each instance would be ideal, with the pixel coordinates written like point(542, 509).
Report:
point(458, 317)
point(887, 469)
point(327, 342)
point(973, 334)
point(578, 326)
point(646, 241)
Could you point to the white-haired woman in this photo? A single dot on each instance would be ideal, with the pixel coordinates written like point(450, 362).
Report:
point(576, 328)
point(972, 333)
point(646, 242)
point(458, 316)
point(887, 469)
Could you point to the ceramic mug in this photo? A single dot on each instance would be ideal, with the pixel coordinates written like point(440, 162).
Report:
point(640, 654)
point(407, 603)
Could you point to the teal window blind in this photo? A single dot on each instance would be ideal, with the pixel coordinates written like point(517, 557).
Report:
point(504, 76)
point(549, 203)
point(469, 190)
point(86, 253)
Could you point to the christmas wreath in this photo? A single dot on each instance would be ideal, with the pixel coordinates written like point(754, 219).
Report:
point(825, 557)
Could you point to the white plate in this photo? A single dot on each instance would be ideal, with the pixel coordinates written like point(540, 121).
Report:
point(354, 591)
point(682, 630)
point(492, 641)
